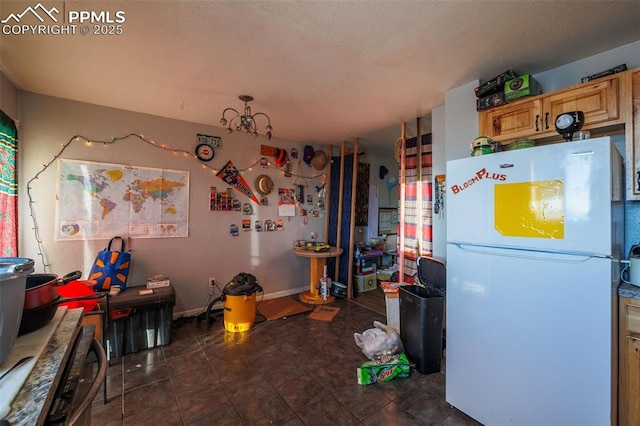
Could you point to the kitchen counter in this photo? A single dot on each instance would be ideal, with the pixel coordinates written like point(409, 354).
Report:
point(31, 404)
point(629, 290)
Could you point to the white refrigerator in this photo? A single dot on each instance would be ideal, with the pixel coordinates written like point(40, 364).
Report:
point(534, 238)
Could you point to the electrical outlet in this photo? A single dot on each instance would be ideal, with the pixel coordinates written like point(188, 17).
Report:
point(212, 286)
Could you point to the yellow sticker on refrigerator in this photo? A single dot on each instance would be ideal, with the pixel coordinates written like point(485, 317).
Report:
point(530, 209)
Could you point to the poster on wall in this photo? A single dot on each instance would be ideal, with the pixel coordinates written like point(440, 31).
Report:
point(387, 221)
point(286, 202)
point(100, 200)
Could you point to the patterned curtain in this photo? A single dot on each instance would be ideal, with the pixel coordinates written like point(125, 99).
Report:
point(8, 187)
point(418, 236)
point(362, 195)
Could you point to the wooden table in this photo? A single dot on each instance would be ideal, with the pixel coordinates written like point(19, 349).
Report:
point(318, 260)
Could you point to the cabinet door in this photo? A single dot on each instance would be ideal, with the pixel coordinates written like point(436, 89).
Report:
point(629, 374)
point(633, 382)
point(513, 121)
point(632, 133)
point(599, 102)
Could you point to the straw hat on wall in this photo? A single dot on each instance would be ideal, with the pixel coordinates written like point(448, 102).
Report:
point(264, 185)
point(319, 160)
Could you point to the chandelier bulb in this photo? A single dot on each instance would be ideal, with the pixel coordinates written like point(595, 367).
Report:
point(223, 121)
point(269, 128)
point(254, 134)
point(229, 130)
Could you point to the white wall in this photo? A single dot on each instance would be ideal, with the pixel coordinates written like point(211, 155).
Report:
point(386, 198)
point(209, 251)
point(8, 97)
point(439, 154)
point(379, 195)
point(571, 73)
point(460, 121)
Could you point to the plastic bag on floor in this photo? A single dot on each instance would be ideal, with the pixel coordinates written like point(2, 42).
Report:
point(379, 341)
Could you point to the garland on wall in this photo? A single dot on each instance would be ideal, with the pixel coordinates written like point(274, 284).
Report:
point(285, 170)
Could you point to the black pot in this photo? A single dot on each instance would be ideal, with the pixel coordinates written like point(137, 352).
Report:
point(39, 316)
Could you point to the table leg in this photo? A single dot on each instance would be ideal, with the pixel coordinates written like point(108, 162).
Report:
point(316, 272)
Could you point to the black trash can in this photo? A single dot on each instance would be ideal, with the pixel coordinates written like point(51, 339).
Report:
point(421, 315)
point(421, 312)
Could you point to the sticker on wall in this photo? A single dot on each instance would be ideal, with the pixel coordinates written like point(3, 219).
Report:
point(440, 191)
point(279, 225)
point(257, 225)
point(530, 209)
point(269, 225)
point(246, 225)
point(212, 141)
point(300, 194)
point(220, 201)
point(233, 230)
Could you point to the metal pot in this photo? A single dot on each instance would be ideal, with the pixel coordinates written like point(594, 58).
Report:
point(42, 299)
point(42, 289)
point(13, 274)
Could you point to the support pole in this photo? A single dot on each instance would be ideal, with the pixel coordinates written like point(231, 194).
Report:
point(403, 135)
point(419, 187)
point(340, 200)
point(327, 195)
point(354, 180)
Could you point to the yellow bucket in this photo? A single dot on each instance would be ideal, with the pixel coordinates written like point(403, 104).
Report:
point(239, 312)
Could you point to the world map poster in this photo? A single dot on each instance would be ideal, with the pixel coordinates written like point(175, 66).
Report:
point(101, 200)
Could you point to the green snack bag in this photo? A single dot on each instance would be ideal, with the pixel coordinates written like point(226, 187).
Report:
point(387, 368)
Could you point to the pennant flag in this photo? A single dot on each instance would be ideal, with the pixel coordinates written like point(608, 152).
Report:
point(231, 175)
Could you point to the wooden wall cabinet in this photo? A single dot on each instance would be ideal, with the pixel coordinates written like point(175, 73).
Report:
point(534, 117)
point(600, 102)
point(611, 105)
point(512, 121)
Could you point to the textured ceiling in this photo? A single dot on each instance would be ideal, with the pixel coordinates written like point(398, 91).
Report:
point(324, 71)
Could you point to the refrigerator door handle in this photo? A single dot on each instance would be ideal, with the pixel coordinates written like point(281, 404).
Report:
point(527, 254)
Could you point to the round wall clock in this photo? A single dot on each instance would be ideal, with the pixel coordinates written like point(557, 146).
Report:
point(204, 152)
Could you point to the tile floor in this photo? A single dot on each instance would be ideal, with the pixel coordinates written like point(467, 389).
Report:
point(292, 371)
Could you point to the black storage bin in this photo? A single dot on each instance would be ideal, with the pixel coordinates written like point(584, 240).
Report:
point(138, 322)
point(421, 312)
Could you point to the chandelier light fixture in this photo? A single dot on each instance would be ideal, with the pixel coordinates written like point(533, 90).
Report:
point(245, 121)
